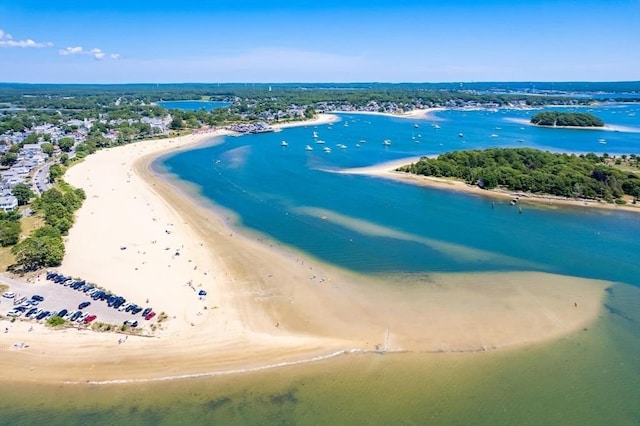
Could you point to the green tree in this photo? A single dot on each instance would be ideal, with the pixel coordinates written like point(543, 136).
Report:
point(23, 193)
point(66, 144)
point(9, 232)
point(9, 158)
point(47, 148)
point(36, 252)
point(64, 159)
point(176, 124)
point(55, 171)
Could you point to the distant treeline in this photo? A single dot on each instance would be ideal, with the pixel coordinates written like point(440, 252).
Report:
point(534, 171)
point(571, 119)
point(86, 97)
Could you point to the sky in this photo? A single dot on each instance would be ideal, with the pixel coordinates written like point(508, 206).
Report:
point(179, 41)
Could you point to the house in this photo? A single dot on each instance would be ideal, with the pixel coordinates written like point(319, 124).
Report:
point(8, 203)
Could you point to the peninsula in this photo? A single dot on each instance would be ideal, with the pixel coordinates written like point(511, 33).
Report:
point(533, 171)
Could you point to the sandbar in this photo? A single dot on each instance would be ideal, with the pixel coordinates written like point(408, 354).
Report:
point(267, 305)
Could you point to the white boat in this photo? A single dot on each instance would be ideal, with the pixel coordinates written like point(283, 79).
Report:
point(461, 135)
point(357, 145)
point(435, 126)
point(341, 146)
point(315, 135)
point(284, 143)
point(602, 141)
point(494, 135)
point(326, 149)
point(308, 148)
point(386, 142)
point(520, 140)
point(363, 140)
point(320, 141)
point(346, 124)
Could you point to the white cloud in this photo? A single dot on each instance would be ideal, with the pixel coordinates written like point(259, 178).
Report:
point(79, 50)
point(6, 40)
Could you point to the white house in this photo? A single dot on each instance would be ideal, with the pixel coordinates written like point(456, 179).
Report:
point(8, 203)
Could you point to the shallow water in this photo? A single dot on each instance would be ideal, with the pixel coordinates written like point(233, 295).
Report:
point(589, 378)
point(377, 226)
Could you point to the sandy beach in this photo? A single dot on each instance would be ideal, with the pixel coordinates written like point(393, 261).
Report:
point(389, 171)
point(266, 306)
point(413, 114)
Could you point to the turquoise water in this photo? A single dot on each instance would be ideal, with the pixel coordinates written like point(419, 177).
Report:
point(193, 105)
point(378, 226)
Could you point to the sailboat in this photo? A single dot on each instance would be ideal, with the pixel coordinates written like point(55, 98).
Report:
point(308, 148)
point(386, 142)
point(284, 143)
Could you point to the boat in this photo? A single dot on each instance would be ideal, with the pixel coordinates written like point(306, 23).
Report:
point(326, 149)
point(415, 125)
point(520, 140)
point(346, 124)
point(363, 141)
point(461, 135)
point(494, 135)
point(435, 126)
point(320, 141)
point(341, 146)
point(308, 148)
point(315, 135)
point(386, 142)
point(602, 141)
point(498, 128)
point(284, 143)
point(357, 145)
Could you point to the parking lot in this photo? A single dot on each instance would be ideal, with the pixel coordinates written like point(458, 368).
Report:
point(62, 296)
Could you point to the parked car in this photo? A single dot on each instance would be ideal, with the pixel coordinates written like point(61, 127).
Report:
point(146, 312)
point(74, 316)
point(37, 297)
point(150, 315)
point(90, 318)
point(131, 323)
point(14, 313)
point(62, 313)
point(83, 305)
point(9, 294)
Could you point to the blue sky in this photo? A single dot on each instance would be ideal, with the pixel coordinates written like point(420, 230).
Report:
point(101, 41)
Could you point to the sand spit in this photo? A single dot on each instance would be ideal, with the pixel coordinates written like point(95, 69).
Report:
point(266, 305)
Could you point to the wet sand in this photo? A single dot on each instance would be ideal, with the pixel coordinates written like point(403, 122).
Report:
point(266, 307)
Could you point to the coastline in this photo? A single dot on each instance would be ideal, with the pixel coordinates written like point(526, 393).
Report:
point(388, 171)
point(262, 310)
point(422, 114)
point(606, 127)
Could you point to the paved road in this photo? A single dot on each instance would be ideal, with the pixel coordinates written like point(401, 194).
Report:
point(58, 297)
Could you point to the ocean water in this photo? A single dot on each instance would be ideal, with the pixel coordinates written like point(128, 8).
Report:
point(193, 105)
point(375, 226)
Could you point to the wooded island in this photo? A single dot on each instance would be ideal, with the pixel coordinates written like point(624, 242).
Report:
point(566, 119)
point(534, 171)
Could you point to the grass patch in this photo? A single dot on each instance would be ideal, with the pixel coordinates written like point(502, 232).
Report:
point(56, 321)
point(6, 258)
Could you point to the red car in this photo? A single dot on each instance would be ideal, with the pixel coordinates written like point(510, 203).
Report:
point(150, 315)
point(90, 318)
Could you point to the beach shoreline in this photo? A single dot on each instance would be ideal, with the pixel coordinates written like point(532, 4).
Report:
point(264, 307)
point(388, 170)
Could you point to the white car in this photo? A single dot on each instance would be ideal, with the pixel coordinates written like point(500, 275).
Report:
point(14, 313)
point(9, 294)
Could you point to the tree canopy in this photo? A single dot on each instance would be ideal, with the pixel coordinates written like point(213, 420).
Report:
point(525, 169)
point(570, 119)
